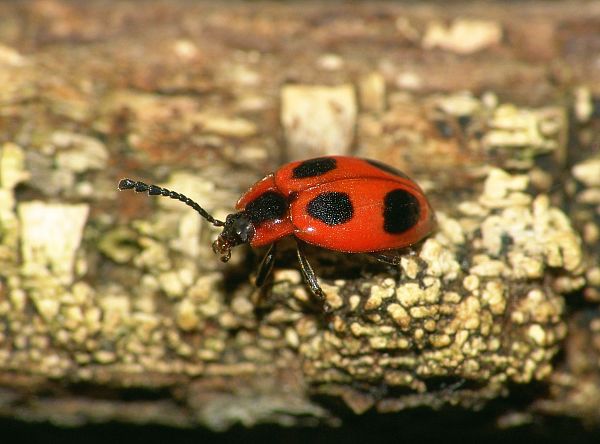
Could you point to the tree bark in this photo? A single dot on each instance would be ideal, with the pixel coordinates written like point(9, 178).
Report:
point(112, 305)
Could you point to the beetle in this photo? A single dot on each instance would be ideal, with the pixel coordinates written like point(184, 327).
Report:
point(340, 203)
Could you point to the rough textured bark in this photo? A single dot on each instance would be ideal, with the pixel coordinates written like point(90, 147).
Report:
point(112, 305)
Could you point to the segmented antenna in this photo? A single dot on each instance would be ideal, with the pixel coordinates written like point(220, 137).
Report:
point(155, 190)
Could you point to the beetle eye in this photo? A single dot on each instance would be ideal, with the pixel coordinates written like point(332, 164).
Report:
point(244, 229)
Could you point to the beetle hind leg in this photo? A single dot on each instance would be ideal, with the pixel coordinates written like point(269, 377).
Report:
point(310, 278)
point(393, 258)
point(266, 267)
point(387, 257)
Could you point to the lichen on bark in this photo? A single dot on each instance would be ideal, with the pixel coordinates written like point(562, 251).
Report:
point(113, 306)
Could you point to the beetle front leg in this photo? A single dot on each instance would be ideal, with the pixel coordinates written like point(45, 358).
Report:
point(266, 266)
point(310, 278)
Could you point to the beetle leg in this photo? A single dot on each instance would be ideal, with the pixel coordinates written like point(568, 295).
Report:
point(310, 278)
point(391, 258)
point(265, 267)
point(387, 257)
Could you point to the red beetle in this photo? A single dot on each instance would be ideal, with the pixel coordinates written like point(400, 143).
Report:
point(340, 203)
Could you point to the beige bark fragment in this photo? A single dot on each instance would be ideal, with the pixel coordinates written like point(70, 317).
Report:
point(50, 237)
point(318, 119)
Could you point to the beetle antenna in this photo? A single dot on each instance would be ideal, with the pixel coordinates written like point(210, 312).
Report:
point(155, 190)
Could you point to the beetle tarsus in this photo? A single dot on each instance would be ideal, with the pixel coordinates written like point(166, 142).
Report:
point(387, 257)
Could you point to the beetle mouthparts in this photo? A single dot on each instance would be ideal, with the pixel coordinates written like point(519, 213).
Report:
point(222, 248)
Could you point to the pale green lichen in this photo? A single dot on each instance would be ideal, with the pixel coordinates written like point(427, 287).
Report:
point(588, 172)
point(12, 166)
point(531, 131)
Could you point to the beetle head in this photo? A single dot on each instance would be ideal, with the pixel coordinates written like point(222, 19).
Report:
point(238, 229)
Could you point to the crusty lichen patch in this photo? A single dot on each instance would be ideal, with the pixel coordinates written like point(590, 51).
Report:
point(444, 133)
point(477, 305)
point(587, 217)
point(140, 300)
point(92, 299)
point(473, 306)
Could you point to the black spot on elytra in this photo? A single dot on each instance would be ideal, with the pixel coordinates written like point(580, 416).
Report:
point(400, 211)
point(314, 167)
point(332, 208)
point(267, 206)
point(387, 168)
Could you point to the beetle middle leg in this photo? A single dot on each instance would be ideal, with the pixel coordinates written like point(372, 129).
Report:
point(310, 278)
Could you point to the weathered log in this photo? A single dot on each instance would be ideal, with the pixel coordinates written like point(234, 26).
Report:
point(113, 306)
